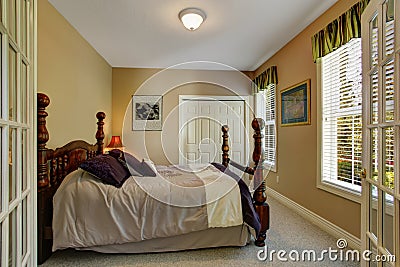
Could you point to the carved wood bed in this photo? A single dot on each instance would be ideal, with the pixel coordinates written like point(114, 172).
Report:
point(55, 164)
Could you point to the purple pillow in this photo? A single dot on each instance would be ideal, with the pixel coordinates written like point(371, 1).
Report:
point(132, 163)
point(107, 169)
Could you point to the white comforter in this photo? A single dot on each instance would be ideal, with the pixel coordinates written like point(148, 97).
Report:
point(89, 213)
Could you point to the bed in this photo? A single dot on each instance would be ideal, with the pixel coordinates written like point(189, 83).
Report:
point(74, 207)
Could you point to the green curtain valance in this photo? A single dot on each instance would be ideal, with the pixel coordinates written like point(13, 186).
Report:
point(264, 79)
point(339, 31)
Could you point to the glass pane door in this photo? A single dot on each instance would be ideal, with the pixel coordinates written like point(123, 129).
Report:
point(381, 134)
point(17, 183)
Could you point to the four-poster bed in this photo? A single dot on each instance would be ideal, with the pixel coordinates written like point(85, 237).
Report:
point(55, 165)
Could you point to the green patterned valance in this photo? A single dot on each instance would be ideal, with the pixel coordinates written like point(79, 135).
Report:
point(339, 31)
point(264, 79)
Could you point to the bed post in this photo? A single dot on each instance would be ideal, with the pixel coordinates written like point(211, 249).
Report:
point(100, 133)
point(43, 181)
point(225, 145)
point(259, 195)
point(42, 137)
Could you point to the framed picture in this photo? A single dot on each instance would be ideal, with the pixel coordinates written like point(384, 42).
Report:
point(146, 113)
point(295, 104)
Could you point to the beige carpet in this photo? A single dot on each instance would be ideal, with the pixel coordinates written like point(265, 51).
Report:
point(289, 231)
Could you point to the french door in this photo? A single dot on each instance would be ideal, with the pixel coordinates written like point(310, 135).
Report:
point(17, 131)
point(381, 133)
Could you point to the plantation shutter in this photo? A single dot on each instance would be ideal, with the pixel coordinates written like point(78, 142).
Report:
point(341, 115)
point(388, 91)
point(270, 127)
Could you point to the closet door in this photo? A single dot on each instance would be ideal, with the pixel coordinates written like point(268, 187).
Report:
point(200, 137)
point(17, 199)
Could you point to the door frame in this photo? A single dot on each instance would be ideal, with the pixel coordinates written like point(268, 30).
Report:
point(247, 112)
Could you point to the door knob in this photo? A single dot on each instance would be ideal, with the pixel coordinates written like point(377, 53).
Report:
point(363, 173)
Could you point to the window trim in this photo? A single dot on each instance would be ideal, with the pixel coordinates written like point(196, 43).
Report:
point(330, 187)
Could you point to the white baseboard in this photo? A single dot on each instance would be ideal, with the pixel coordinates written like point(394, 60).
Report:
point(352, 241)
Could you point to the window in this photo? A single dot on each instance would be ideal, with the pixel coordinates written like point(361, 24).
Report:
point(266, 109)
point(341, 121)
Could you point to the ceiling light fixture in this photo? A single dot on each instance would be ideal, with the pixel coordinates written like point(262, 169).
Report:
point(192, 18)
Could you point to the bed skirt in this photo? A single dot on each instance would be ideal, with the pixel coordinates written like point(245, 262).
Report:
point(213, 237)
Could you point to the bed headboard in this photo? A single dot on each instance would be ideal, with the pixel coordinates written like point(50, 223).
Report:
point(52, 167)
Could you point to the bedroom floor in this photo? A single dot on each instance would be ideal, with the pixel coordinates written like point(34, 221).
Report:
point(288, 231)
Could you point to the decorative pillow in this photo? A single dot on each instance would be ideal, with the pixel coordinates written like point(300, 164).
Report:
point(151, 164)
point(119, 155)
point(133, 164)
point(148, 168)
point(106, 168)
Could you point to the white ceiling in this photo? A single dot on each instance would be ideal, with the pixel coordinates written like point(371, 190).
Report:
point(148, 34)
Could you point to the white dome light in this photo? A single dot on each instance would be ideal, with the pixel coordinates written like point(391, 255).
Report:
point(192, 18)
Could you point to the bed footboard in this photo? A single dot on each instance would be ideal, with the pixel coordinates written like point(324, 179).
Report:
point(259, 196)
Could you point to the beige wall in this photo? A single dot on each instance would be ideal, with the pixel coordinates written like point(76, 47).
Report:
point(80, 83)
point(162, 147)
point(75, 77)
point(297, 145)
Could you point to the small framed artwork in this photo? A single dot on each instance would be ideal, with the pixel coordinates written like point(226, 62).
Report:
point(295, 104)
point(146, 113)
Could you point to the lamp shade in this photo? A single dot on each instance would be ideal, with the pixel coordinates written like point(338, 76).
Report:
point(192, 18)
point(115, 142)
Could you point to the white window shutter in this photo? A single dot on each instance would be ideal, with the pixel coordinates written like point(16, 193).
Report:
point(270, 125)
point(341, 116)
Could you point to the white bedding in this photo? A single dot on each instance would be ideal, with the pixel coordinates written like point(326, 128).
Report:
point(89, 213)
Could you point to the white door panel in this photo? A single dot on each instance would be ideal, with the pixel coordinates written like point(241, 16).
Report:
point(200, 130)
